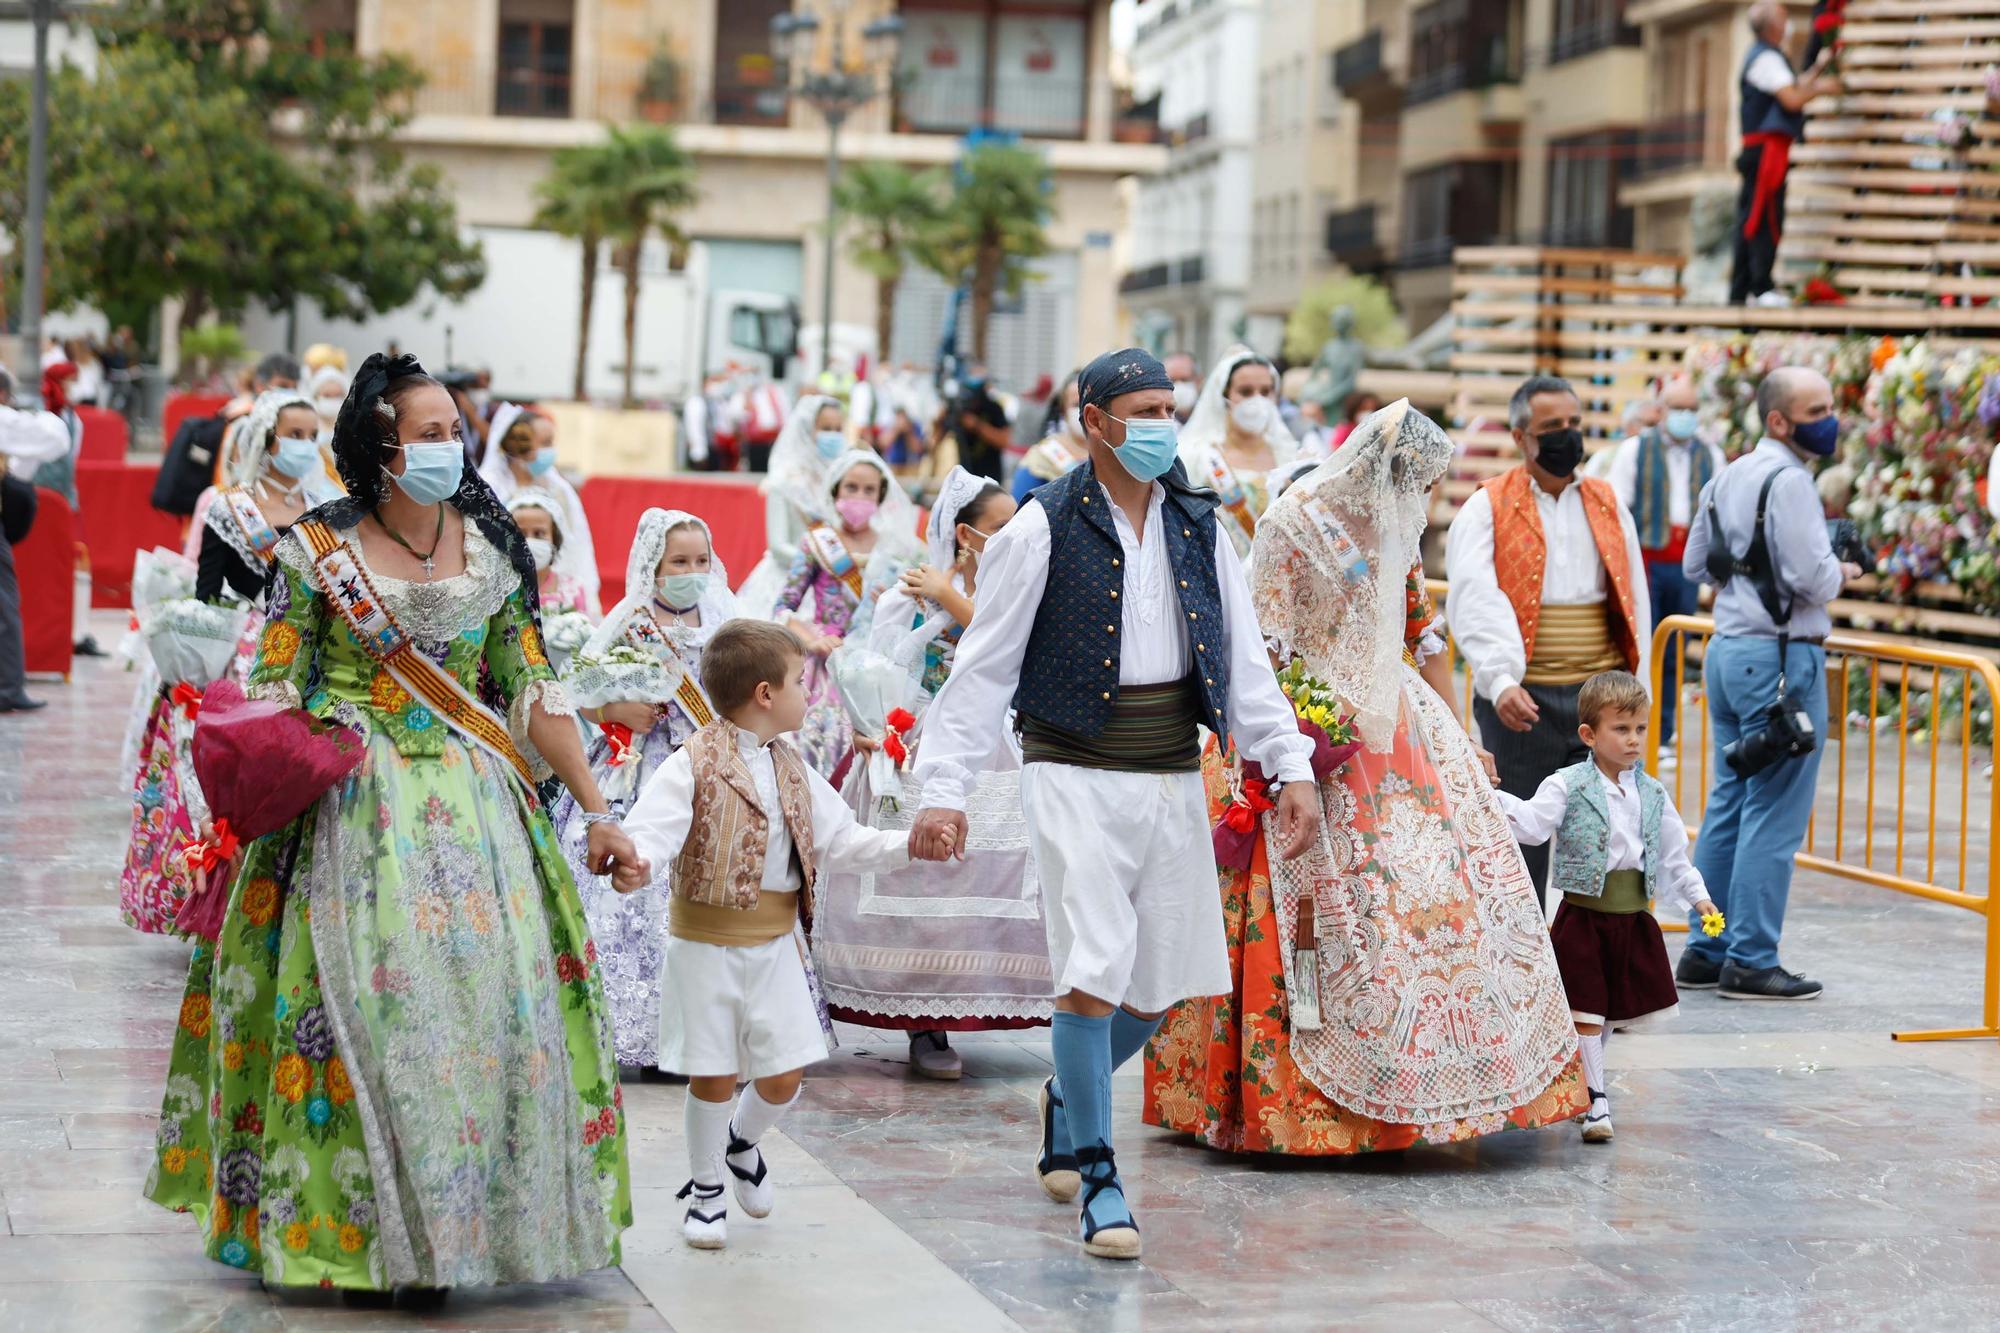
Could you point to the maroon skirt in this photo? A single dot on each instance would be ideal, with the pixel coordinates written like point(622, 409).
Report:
point(1613, 964)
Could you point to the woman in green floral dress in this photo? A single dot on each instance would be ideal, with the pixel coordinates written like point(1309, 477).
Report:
point(394, 1068)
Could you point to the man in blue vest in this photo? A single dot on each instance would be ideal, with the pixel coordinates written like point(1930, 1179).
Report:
point(1114, 619)
point(1771, 118)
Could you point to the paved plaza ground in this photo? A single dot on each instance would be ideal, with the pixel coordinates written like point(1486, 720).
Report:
point(1778, 1166)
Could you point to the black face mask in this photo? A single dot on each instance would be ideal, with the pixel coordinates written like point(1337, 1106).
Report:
point(1559, 451)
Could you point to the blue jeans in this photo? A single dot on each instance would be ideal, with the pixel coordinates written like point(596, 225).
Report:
point(1673, 594)
point(1754, 826)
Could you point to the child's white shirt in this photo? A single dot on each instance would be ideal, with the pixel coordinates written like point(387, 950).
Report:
point(1536, 820)
point(659, 820)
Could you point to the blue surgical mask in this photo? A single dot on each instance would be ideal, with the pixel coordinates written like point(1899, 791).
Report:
point(1150, 446)
point(431, 472)
point(1817, 437)
point(1683, 422)
point(295, 458)
point(543, 460)
point(682, 592)
point(831, 444)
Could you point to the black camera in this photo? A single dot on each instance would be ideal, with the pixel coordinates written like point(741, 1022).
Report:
point(1788, 733)
point(1848, 548)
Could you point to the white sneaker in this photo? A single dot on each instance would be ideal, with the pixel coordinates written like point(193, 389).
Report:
point(706, 1226)
point(749, 1178)
point(1597, 1123)
point(1771, 298)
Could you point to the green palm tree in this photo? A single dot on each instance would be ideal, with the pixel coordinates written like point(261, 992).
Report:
point(655, 183)
point(993, 224)
point(577, 198)
point(893, 207)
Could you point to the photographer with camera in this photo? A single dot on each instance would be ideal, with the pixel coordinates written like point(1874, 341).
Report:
point(1762, 539)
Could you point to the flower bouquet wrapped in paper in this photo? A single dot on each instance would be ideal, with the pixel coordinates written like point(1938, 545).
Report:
point(158, 576)
point(622, 673)
point(872, 688)
point(563, 637)
point(193, 642)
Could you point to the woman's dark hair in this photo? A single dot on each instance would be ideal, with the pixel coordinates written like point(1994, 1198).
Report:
point(1351, 409)
point(1237, 369)
point(365, 431)
point(881, 485)
point(1052, 415)
point(974, 509)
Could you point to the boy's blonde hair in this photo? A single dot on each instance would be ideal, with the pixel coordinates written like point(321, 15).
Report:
point(743, 655)
point(1611, 692)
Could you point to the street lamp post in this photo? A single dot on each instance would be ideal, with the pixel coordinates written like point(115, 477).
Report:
point(836, 88)
point(42, 13)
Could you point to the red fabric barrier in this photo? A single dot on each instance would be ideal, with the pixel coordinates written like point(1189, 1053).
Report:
point(117, 520)
point(106, 435)
point(729, 504)
point(180, 406)
point(45, 565)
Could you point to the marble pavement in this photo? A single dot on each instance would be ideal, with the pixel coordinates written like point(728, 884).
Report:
point(1778, 1166)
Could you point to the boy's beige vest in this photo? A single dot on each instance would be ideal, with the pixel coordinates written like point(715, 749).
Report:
point(722, 862)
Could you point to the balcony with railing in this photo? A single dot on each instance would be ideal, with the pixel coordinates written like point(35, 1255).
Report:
point(1187, 272)
point(1487, 68)
point(1038, 106)
point(1352, 238)
point(1673, 144)
point(1361, 71)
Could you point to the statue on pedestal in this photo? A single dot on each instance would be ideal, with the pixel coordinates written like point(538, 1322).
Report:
point(1337, 367)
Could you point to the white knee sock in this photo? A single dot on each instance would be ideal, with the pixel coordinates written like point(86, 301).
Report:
point(1592, 1048)
point(706, 1125)
point(756, 1117)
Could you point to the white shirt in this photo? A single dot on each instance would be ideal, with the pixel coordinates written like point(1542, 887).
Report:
point(1482, 619)
point(1535, 821)
point(694, 423)
point(32, 437)
point(1769, 72)
point(659, 820)
point(1680, 460)
point(964, 721)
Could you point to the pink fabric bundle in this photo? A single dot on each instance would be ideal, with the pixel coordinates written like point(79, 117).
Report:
point(260, 765)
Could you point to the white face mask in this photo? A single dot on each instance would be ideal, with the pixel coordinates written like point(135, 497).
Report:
point(1251, 415)
point(1185, 392)
point(543, 550)
point(1073, 421)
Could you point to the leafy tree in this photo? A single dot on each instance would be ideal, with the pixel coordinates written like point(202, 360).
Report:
point(894, 208)
point(1376, 322)
point(994, 223)
point(654, 183)
point(578, 199)
point(221, 157)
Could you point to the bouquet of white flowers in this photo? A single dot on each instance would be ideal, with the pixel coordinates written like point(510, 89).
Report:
point(621, 674)
point(159, 575)
point(193, 642)
point(876, 693)
point(563, 636)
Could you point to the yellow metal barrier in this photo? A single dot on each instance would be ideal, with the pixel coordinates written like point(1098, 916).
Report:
point(1852, 855)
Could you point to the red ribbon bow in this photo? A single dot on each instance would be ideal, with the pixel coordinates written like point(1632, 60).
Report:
point(898, 722)
point(620, 737)
point(186, 698)
point(216, 851)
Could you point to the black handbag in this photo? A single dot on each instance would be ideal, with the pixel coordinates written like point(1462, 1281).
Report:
point(17, 508)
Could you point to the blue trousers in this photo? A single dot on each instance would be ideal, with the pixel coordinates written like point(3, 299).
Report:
point(1754, 826)
point(1673, 594)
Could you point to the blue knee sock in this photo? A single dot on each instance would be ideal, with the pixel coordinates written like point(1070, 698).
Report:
point(1129, 1035)
point(1082, 1050)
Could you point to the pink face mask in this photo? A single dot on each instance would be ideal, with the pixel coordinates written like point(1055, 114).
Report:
point(855, 511)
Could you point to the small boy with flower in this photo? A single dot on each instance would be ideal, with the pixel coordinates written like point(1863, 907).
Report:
point(1619, 840)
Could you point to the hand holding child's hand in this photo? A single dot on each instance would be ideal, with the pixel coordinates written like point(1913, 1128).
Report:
point(630, 877)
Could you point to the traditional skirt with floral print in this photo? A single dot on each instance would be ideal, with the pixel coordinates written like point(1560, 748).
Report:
point(165, 811)
point(394, 1066)
point(630, 928)
point(1448, 997)
point(827, 736)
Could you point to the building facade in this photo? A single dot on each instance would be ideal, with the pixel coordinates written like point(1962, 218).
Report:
point(510, 81)
point(1187, 286)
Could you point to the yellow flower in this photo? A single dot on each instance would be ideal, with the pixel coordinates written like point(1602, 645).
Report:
point(1712, 924)
point(293, 1077)
point(249, 1220)
point(232, 1055)
point(174, 1160)
point(350, 1237)
point(281, 644)
point(296, 1236)
point(531, 646)
point(260, 900)
point(194, 1014)
point(337, 1086)
point(219, 1216)
point(385, 694)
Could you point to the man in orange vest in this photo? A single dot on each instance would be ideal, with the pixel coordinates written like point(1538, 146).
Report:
point(1547, 590)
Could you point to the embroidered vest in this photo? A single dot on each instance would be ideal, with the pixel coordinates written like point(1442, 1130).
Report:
point(1069, 674)
point(1583, 842)
point(722, 862)
point(1650, 513)
point(1520, 556)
